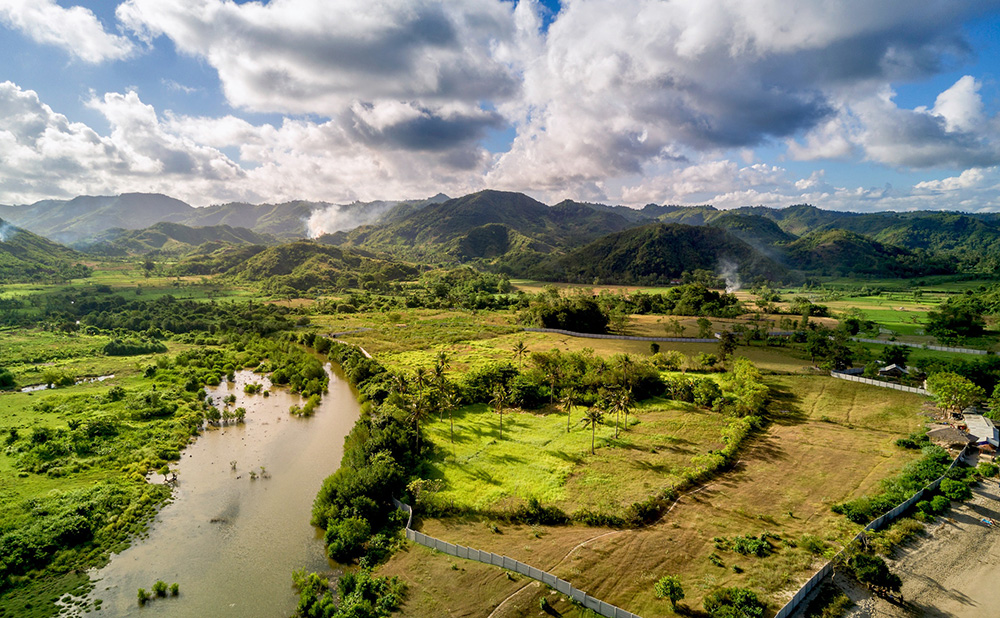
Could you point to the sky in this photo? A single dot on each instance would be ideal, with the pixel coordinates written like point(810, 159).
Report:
point(847, 104)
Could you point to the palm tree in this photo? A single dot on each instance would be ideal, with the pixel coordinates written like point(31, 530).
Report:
point(623, 404)
point(420, 377)
point(442, 360)
point(592, 417)
point(499, 403)
point(569, 399)
point(452, 399)
point(399, 383)
point(520, 351)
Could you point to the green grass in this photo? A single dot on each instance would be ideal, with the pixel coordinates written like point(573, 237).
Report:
point(538, 458)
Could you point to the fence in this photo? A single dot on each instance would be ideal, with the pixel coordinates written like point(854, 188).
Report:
point(626, 337)
point(892, 385)
point(818, 577)
point(505, 562)
point(939, 348)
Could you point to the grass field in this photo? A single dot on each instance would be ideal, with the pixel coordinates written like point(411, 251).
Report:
point(538, 458)
point(830, 441)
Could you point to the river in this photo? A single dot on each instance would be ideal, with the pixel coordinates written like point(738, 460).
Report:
point(231, 542)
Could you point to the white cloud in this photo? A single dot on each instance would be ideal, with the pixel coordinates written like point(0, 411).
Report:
point(75, 29)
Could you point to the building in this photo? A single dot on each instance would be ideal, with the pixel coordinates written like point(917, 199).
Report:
point(893, 371)
point(982, 429)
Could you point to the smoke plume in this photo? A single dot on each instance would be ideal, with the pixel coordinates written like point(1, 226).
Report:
point(341, 217)
point(729, 271)
point(6, 230)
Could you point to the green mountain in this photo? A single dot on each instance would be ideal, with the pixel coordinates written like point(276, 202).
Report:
point(755, 230)
point(656, 254)
point(843, 253)
point(470, 226)
point(304, 265)
point(169, 238)
point(69, 221)
point(25, 256)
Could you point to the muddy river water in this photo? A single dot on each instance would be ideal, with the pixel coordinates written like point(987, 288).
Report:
point(231, 542)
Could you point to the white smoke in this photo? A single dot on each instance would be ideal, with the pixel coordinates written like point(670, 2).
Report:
point(6, 230)
point(341, 218)
point(729, 271)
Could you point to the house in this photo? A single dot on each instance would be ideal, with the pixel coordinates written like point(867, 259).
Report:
point(950, 437)
point(982, 429)
point(893, 371)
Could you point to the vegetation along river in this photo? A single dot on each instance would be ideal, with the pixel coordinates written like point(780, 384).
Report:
point(231, 542)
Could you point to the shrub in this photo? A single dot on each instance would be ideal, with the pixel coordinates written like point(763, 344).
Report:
point(955, 490)
point(733, 603)
point(873, 571)
point(987, 469)
point(669, 587)
point(346, 538)
point(160, 588)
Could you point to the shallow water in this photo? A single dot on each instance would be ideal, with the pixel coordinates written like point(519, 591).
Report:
point(231, 542)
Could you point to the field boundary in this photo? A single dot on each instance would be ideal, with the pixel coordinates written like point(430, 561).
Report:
point(873, 525)
point(505, 562)
point(892, 385)
point(627, 337)
point(924, 346)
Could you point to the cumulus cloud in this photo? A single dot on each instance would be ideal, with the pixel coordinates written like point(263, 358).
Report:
point(625, 84)
point(75, 29)
point(427, 65)
point(43, 154)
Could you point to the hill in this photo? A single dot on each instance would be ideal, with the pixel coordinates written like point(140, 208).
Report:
point(843, 253)
point(25, 256)
point(68, 221)
point(656, 254)
point(169, 238)
point(470, 227)
point(755, 230)
point(306, 265)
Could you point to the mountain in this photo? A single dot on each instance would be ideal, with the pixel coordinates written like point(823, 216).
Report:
point(305, 265)
point(25, 256)
point(168, 238)
point(755, 230)
point(285, 220)
point(842, 253)
point(68, 221)
point(656, 254)
point(470, 227)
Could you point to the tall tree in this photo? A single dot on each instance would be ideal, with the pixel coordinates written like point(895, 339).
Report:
point(569, 400)
point(499, 403)
point(954, 392)
point(593, 417)
point(520, 351)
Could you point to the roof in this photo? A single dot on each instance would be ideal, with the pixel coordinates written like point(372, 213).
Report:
point(981, 428)
point(894, 368)
point(949, 435)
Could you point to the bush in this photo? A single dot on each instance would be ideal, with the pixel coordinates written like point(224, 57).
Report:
point(160, 588)
point(669, 587)
point(955, 490)
point(873, 571)
point(734, 603)
point(987, 469)
point(346, 538)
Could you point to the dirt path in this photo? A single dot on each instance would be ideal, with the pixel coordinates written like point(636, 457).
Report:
point(953, 571)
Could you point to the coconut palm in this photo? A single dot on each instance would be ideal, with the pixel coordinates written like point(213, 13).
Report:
point(520, 351)
point(452, 399)
point(499, 403)
point(593, 416)
point(569, 400)
point(420, 377)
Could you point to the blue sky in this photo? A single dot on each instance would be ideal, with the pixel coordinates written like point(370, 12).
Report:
point(857, 106)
